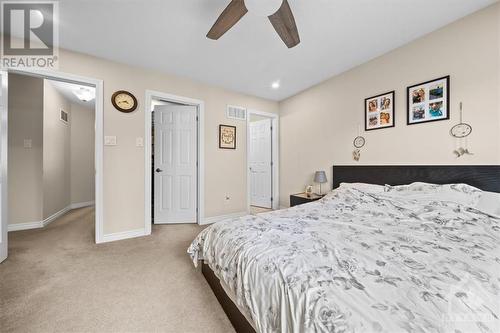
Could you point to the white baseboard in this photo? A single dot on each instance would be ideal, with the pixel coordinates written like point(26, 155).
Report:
point(141, 232)
point(51, 218)
point(214, 219)
point(122, 235)
point(55, 216)
point(82, 204)
point(25, 226)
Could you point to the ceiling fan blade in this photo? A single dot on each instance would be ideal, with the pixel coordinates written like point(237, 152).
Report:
point(229, 17)
point(284, 24)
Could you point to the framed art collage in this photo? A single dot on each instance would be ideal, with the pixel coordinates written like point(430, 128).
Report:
point(379, 111)
point(429, 101)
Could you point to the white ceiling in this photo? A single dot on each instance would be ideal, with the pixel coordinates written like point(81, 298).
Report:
point(66, 89)
point(169, 36)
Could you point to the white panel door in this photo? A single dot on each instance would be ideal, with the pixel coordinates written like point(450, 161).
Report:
point(3, 166)
point(260, 158)
point(175, 170)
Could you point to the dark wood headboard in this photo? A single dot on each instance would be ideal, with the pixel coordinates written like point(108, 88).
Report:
point(484, 177)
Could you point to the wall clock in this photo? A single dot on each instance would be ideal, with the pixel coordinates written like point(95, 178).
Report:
point(124, 101)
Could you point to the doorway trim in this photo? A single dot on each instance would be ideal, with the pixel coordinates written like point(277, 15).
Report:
point(98, 133)
point(4, 112)
point(275, 156)
point(200, 140)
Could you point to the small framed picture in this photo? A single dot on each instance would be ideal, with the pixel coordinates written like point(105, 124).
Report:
point(379, 111)
point(429, 101)
point(227, 137)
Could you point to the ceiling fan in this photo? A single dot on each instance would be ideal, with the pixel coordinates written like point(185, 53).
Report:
point(278, 12)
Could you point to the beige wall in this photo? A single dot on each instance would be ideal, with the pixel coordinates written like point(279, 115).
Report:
point(25, 164)
point(124, 164)
point(319, 125)
point(56, 152)
point(82, 154)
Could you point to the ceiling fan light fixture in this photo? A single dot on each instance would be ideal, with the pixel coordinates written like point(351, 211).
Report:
point(263, 8)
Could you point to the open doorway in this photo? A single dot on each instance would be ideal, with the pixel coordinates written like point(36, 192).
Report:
point(174, 159)
point(38, 166)
point(262, 157)
point(50, 150)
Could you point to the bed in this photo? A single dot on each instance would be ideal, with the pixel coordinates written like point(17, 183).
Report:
point(368, 258)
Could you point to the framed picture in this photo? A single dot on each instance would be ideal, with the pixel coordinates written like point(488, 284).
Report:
point(379, 111)
point(429, 101)
point(227, 137)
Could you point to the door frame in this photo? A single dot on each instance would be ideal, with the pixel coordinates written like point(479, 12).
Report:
point(4, 226)
point(200, 148)
point(98, 139)
point(275, 149)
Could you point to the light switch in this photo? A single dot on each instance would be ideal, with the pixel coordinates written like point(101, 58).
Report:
point(139, 142)
point(28, 143)
point(110, 140)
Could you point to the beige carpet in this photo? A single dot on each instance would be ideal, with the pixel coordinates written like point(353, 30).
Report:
point(57, 280)
point(254, 210)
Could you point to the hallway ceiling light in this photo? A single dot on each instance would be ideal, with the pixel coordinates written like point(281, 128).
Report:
point(84, 94)
point(275, 85)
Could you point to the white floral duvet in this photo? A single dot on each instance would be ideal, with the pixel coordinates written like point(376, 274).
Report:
point(362, 261)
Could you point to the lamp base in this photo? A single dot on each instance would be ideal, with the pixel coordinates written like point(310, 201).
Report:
point(320, 192)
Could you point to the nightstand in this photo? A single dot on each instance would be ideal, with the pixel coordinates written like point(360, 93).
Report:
point(302, 198)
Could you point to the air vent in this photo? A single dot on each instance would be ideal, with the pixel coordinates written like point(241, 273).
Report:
point(236, 112)
point(64, 116)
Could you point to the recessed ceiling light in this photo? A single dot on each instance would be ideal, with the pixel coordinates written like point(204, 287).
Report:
point(275, 85)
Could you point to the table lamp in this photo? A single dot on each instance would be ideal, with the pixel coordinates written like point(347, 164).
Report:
point(320, 177)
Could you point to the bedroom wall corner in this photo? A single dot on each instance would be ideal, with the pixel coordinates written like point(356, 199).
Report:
point(82, 168)
point(56, 152)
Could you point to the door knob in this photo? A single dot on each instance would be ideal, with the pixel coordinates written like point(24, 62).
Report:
point(158, 170)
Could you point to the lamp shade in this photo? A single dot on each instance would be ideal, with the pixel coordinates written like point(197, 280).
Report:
point(320, 177)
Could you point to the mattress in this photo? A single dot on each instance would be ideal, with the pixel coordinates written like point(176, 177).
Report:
point(233, 298)
point(363, 260)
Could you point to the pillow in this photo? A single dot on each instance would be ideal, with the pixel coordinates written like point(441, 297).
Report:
point(459, 193)
point(372, 188)
point(489, 203)
point(413, 187)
